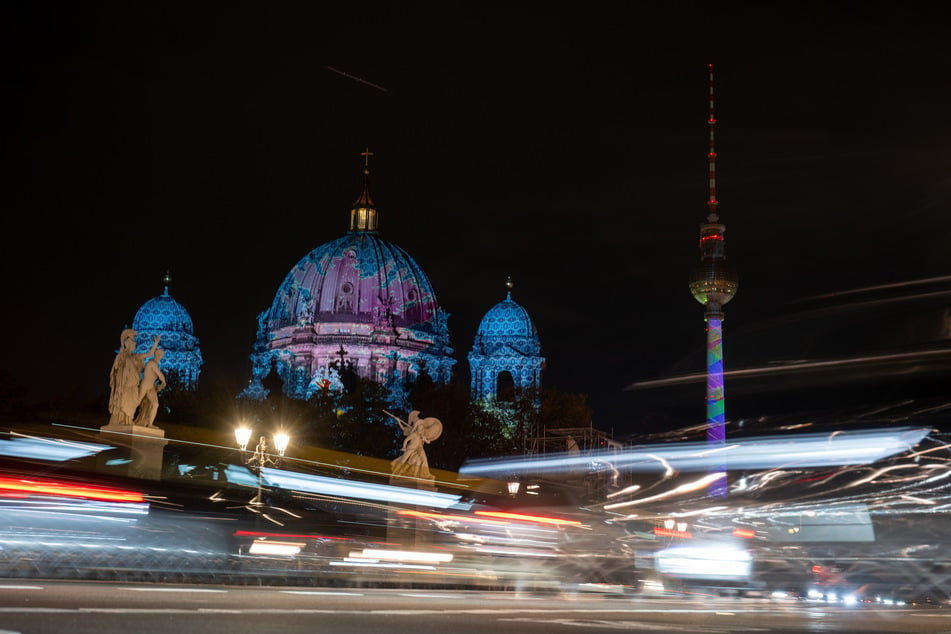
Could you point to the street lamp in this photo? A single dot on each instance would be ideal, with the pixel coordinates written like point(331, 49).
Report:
point(260, 457)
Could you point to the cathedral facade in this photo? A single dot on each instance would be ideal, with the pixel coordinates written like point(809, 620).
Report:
point(357, 305)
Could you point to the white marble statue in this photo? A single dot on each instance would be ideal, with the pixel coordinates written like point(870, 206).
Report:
point(412, 463)
point(153, 382)
point(125, 377)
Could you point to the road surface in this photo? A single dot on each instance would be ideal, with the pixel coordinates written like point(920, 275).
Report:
point(35, 607)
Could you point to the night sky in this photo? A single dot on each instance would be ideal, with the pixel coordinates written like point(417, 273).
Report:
point(564, 147)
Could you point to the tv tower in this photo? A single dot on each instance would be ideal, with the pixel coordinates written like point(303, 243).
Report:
point(713, 283)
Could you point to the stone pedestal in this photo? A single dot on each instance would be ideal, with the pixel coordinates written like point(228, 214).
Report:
point(421, 483)
point(407, 530)
point(145, 447)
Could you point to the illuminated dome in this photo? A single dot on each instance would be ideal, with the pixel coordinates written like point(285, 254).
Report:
point(165, 317)
point(507, 325)
point(358, 303)
point(357, 278)
point(506, 342)
point(163, 313)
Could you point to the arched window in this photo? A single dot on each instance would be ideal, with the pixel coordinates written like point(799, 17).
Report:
point(505, 387)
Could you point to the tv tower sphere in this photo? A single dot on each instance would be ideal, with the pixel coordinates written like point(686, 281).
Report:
point(713, 282)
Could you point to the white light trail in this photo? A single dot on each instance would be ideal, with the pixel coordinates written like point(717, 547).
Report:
point(265, 547)
point(792, 367)
point(406, 556)
point(55, 449)
point(768, 452)
point(353, 489)
point(684, 488)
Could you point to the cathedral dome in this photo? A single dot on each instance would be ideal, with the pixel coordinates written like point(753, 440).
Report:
point(357, 278)
point(167, 319)
point(357, 304)
point(507, 324)
point(163, 313)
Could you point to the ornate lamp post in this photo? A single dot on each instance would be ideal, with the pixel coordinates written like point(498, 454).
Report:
point(260, 457)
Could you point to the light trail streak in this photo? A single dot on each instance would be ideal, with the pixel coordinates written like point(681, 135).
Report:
point(625, 491)
point(353, 489)
point(528, 518)
point(801, 450)
point(701, 512)
point(931, 450)
point(684, 488)
point(55, 449)
point(792, 367)
point(879, 472)
point(21, 486)
point(356, 79)
point(880, 287)
point(917, 500)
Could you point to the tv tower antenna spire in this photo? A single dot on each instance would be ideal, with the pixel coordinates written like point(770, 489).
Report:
point(712, 156)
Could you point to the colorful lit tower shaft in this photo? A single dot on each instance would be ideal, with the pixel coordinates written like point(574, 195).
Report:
point(716, 410)
point(713, 283)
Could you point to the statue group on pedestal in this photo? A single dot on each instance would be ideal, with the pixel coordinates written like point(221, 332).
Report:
point(412, 463)
point(134, 383)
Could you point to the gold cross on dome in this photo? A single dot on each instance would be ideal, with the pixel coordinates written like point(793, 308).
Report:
point(366, 154)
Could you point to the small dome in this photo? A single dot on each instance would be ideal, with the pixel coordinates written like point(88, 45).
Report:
point(506, 343)
point(165, 318)
point(163, 313)
point(507, 324)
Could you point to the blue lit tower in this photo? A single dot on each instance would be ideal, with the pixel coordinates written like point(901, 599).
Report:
point(713, 283)
point(506, 342)
point(164, 316)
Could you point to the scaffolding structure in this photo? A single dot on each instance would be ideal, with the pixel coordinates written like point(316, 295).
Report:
point(580, 440)
point(570, 439)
